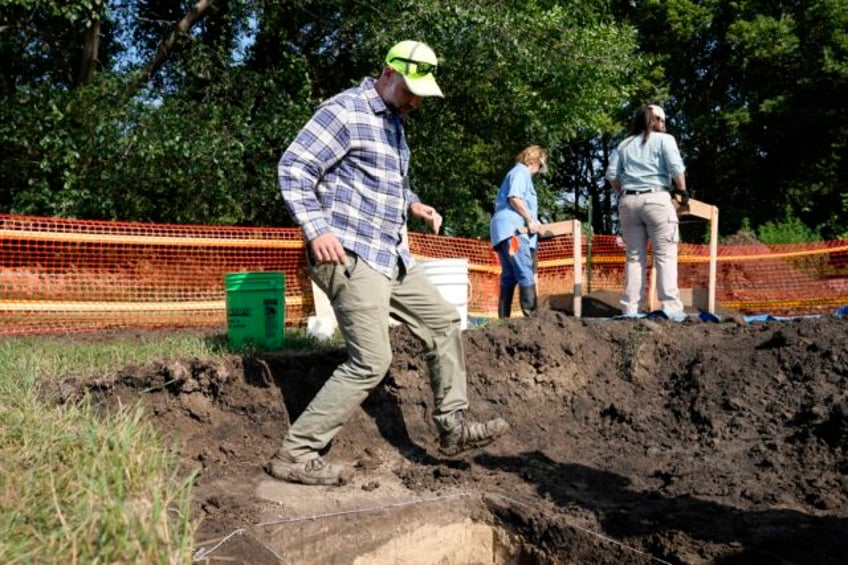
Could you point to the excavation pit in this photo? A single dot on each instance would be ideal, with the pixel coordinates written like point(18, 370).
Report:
point(354, 527)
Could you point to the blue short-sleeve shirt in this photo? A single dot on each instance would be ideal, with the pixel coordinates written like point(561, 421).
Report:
point(505, 221)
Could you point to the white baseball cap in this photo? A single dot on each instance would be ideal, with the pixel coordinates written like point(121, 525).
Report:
point(657, 111)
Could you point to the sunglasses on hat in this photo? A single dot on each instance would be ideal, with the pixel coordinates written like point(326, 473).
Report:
point(414, 68)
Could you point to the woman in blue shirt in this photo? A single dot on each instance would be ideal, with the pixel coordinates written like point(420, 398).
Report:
point(517, 206)
point(641, 170)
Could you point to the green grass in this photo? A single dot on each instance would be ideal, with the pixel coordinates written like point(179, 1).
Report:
point(79, 485)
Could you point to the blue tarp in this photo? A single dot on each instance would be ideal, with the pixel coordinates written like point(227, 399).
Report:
point(770, 318)
point(710, 317)
point(700, 316)
point(681, 317)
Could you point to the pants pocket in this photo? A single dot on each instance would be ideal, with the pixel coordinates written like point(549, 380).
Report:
point(673, 229)
point(331, 277)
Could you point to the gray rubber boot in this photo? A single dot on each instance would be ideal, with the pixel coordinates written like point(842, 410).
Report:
point(505, 301)
point(527, 299)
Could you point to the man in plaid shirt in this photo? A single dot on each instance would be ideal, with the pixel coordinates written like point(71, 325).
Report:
point(344, 180)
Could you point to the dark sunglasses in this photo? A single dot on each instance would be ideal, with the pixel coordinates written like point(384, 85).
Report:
point(414, 68)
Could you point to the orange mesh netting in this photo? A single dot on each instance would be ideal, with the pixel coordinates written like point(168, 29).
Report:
point(791, 279)
point(805, 278)
point(72, 275)
point(60, 275)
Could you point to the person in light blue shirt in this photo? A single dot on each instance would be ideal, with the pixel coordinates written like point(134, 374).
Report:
point(516, 207)
point(641, 170)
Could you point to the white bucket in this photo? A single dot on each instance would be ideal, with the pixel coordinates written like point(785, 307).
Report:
point(451, 278)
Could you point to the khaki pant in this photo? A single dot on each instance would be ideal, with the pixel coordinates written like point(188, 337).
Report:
point(649, 216)
point(362, 300)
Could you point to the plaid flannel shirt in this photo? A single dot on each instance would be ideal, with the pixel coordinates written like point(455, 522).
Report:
point(345, 172)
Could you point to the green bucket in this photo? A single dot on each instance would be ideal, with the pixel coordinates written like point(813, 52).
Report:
point(256, 312)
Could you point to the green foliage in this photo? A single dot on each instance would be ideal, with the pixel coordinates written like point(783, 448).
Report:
point(44, 41)
point(757, 101)
point(842, 232)
point(764, 38)
point(755, 92)
point(94, 155)
point(789, 230)
point(201, 144)
point(531, 74)
point(85, 11)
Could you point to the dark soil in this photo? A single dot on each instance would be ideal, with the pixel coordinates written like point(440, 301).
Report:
point(641, 441)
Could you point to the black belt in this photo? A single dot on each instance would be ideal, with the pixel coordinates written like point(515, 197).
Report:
point(646, 191)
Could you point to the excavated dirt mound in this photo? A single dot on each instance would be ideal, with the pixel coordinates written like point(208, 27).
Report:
point(638, 441)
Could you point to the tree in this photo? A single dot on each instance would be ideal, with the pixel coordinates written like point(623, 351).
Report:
point(756, 91)
point(535, 72)
point(187, 125)
point(85, 148)
point(58, 42)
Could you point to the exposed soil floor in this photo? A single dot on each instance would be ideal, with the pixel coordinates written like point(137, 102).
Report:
point(632, 441)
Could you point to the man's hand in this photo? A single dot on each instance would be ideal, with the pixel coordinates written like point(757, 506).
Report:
point(533, 227)
point(428, 214)
point(326, 248)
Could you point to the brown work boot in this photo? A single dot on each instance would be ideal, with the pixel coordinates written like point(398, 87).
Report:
point(471, 435)
point(312, 472)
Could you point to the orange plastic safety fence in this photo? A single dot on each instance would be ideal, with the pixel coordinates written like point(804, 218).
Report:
point(807, 278)
point(60, 275)
point(789, 280)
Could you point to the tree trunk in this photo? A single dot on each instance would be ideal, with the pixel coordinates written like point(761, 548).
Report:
point(90, 53)
point(197, 13)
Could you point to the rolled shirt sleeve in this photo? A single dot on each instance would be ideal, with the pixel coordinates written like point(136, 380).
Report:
point(613, 169)
point(671, 154)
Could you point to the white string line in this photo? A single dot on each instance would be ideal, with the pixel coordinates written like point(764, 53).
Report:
point(591, 532)
point(202, 552)
point(364, 510)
